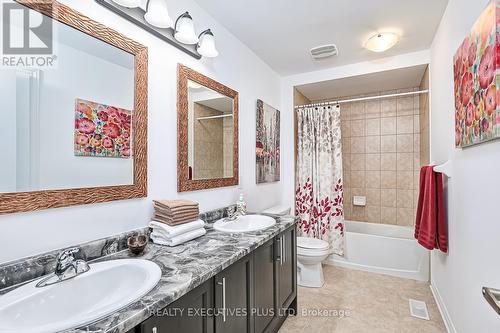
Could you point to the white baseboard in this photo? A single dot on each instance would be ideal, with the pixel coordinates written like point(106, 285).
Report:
point(442, 309)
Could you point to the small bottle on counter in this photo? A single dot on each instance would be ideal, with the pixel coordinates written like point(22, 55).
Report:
point(241, 205)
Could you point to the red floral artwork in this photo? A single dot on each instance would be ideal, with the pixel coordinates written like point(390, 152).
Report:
point(102, 130)
point(475, 65)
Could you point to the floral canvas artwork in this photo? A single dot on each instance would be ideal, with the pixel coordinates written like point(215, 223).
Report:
point(102, 130)
point(477, 78)
point(267, 149)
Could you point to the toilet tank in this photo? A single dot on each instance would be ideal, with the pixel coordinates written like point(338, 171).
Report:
point(280, 210)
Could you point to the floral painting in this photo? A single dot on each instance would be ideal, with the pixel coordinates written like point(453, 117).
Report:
point(102, 130)
point(477, 78)
point(267, 149)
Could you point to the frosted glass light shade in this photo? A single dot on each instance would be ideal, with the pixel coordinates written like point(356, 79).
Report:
point(184, 30)
point(382, 41)
point(157, 14)
point(128, 3)
point(206, 46)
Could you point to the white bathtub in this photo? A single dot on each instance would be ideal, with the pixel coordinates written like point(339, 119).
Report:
point(385, 249)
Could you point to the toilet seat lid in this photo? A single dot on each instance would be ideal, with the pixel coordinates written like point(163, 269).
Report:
point(311, 243)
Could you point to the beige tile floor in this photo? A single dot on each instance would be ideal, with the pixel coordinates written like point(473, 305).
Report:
point(375, 303)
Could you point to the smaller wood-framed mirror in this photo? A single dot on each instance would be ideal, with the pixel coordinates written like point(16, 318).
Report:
point(207, 122)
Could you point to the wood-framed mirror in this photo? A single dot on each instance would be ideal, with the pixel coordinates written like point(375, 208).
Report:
point(207, 125)
point(78, 130)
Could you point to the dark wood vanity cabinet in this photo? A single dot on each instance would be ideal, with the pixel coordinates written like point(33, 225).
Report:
point(233, 297)
point(253, 295)
point(265, 298)
point(190, 313)
point(287, 268)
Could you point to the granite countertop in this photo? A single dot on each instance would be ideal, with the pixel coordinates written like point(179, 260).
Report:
point(183, 267)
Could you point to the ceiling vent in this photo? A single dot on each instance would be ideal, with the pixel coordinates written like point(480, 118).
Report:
point(324, 51)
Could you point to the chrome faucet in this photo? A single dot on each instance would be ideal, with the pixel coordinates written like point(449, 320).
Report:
point(232, 214)
point(67, 267)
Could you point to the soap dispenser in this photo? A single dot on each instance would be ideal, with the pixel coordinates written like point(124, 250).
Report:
point(241, 205)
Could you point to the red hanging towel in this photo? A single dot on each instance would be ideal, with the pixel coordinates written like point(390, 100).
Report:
point(430, 224)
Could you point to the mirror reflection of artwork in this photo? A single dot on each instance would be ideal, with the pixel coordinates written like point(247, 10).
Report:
point(102, 130)
point(37, 127)
point(268, 144)
point(210, 133)
point(477, 112)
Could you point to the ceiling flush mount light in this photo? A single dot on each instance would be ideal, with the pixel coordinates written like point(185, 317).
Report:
point(206, 45)
point(128, 3)
point(382, 41)
point(157, 14)
point(184, 29)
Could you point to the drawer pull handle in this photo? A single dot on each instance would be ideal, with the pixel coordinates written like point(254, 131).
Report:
point(284, 249)
point(223, 284)
point(282, 259)
point(280, 253)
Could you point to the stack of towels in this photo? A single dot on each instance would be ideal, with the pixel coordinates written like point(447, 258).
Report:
point(176, 222)
point(175, 212)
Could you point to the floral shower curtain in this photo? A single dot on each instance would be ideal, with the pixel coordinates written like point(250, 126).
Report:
point(319, 192)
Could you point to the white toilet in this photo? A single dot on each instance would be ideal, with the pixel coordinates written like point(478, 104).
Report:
point(310, 253)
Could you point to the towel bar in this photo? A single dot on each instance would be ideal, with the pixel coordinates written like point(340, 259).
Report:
point(493, 297)
point(445, 168)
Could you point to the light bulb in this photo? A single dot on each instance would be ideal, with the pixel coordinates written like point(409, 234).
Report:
point(157, 14)
point(184, 30)
point(206, 46)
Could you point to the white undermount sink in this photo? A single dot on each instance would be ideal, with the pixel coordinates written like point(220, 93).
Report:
point(245, 223)
point(105, 288)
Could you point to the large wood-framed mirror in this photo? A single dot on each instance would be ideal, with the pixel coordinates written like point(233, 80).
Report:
point(76, 130)
point(207, 141)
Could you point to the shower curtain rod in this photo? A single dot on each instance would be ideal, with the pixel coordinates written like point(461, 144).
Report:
point(363, 99)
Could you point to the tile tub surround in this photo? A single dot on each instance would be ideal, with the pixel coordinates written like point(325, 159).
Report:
point(184, 267)
point(381, 151)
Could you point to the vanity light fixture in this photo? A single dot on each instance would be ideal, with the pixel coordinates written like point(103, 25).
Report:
point(382, 41)
point(206, 45)
point(128, 3)
point(152, 16)
point(184, 29)
point(157, 14)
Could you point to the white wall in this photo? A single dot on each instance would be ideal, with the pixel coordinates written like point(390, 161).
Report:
point(288, 84)
point(473, 192)
point(237, 67)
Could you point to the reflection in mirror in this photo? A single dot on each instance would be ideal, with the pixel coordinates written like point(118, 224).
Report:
point(210, 133)
point(68, 126)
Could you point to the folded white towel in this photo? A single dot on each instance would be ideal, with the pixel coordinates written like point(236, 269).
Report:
point(172, 231)
point(176, 240)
